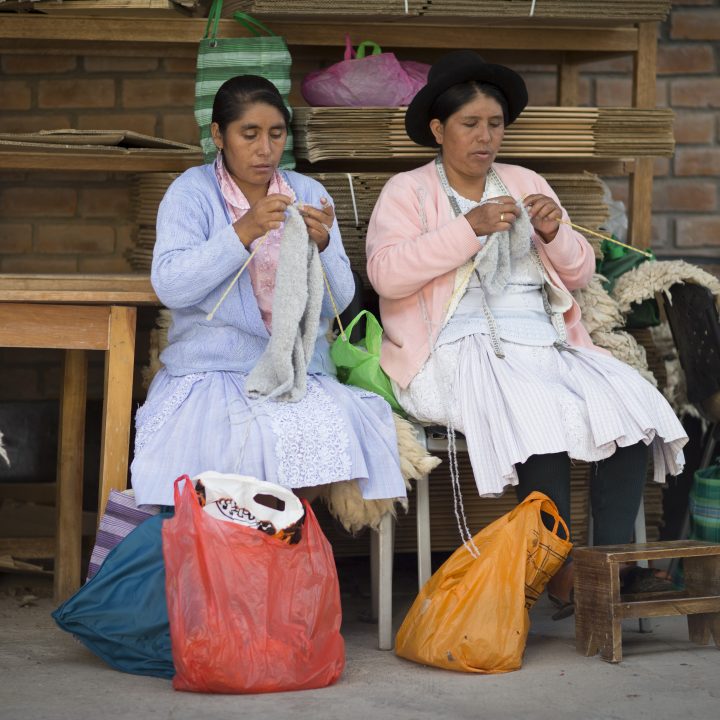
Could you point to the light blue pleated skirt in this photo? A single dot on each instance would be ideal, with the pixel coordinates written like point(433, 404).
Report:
point(205, 421)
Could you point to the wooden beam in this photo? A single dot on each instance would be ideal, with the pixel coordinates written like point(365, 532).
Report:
point(644, 96)
point(111, 289)
point(70, 327)
point(416, 33)
point(34, 548)
point(568, 83)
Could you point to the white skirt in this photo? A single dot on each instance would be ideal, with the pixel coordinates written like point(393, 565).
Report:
point(539, 400)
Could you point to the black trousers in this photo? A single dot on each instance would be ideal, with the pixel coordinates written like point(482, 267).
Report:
point(616, 487)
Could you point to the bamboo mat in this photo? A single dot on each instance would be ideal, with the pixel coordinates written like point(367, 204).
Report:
point(340, 133)
point(581, 194)
point(624, 10)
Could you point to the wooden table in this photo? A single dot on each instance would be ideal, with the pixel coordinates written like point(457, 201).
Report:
point(77, 313)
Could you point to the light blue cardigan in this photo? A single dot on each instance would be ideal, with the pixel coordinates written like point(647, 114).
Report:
point(197, 253)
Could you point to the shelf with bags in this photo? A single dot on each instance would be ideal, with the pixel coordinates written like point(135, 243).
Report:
point(568, 45)
point(98, 33)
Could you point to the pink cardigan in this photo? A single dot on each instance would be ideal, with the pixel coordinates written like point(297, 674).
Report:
point(415, 245)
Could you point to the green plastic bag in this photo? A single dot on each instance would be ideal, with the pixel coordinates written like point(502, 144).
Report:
point(617, 260)
point(359, 364)
point(220, 59)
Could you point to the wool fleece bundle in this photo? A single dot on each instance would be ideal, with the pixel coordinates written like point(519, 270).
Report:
point(281, 372)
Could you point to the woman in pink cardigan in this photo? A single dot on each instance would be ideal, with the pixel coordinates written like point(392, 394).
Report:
point(474, 273)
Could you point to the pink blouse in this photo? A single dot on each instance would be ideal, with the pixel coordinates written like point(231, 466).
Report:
point(263, 266)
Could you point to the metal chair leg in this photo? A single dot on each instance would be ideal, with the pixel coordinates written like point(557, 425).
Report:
point(422, 497)
point(381, 568)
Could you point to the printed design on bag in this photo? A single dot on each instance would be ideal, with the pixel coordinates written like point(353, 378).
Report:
point(228, 508)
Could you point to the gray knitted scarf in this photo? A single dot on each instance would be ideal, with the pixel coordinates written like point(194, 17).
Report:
point(281, 372)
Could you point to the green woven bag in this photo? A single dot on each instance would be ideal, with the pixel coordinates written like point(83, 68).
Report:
point(705, 504)
point(220, 59)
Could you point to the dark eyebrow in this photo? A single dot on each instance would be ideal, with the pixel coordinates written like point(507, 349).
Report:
point(499, 116)
point(251, 126)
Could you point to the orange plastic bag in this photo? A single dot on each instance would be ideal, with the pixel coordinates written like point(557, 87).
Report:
point(249, 613)
point(472, 615)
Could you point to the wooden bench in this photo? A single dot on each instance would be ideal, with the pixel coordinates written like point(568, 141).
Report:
point(77, 313)
point(600, 608)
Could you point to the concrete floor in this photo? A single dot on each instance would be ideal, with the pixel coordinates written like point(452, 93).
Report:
point(46, 675)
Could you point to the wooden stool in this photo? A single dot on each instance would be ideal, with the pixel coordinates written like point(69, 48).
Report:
point(600, 609)
point(77, 313)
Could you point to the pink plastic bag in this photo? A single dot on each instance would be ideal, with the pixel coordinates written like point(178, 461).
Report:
point(379, 79)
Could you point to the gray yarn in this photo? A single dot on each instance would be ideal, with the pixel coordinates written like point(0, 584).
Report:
point(281, 372)
point(494, 261)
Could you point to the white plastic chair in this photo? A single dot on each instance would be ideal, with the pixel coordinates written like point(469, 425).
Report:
point(382, 544)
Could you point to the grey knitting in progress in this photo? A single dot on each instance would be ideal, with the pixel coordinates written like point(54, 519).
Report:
point(281, 372)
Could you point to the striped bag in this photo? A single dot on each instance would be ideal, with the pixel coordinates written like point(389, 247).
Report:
point(220, 59)
point(705, 505)
point(120, 518)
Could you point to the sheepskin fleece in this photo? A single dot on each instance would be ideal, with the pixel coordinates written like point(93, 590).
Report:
point(602, 318)
point(344, 499)
point(646, 281)
point(600, 312)
point(650, 278)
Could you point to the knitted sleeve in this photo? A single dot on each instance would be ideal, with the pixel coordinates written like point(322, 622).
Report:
point(189, 260)
point(405, 248)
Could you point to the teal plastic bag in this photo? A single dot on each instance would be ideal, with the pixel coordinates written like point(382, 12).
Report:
point(121, 613)
point(617, 260)
point(359, 364)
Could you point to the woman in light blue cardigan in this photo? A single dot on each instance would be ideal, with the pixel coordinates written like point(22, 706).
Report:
point(197, 415)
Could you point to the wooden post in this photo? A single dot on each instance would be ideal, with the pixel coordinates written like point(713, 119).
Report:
point(71, 446)
point(644, 96)
point(117, 403)
point(568, 88)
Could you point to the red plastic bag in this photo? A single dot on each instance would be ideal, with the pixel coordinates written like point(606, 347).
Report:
point(379, 79)
point(249, 613)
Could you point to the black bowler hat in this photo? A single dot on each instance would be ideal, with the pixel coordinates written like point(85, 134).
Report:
point(452, 69)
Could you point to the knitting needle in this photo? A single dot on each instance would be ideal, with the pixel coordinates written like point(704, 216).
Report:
point(646, 253)
point(332, 300)
point(211, 314)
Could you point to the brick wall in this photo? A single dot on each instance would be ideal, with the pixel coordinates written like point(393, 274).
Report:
point(82, 222)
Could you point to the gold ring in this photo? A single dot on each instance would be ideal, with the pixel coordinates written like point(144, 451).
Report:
point(502, 217)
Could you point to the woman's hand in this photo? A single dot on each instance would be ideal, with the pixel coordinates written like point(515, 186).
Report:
point(544, 215)
point(493, 215)
point(265, 215)
point(318, 222)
